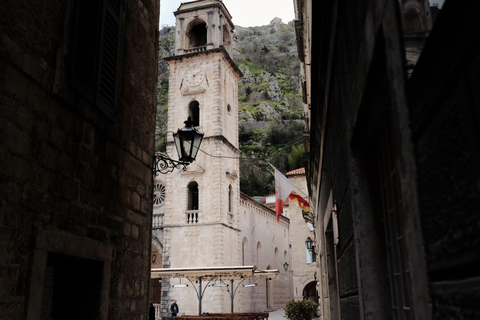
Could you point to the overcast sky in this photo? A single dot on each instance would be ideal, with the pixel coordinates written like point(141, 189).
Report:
point(245, 13)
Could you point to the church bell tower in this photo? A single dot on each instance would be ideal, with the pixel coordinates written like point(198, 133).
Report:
point(200, 222)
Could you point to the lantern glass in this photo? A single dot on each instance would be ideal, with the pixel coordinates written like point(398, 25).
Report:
point(187, 142)
point(309, 243)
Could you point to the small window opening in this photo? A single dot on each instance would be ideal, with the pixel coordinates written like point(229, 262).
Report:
point(230, 198)
point(193, 196)
point(194, 112)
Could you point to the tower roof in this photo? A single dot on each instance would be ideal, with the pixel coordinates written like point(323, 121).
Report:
point(204, 4)
point(296, 172)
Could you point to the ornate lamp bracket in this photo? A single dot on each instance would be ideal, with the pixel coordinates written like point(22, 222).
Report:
point(187, 142)
point(163, 164)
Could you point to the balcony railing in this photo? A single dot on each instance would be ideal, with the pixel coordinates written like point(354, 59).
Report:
point(195, 49)
point(192, 216)
point(157, 221)
point(158, 311)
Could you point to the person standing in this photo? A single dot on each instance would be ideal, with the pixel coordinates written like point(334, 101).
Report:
point(174, 308)
point(151, 312)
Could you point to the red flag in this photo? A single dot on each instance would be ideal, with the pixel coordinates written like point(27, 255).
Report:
point(302, 203)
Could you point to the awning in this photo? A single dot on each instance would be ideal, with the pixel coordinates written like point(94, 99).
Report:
point(209, 273)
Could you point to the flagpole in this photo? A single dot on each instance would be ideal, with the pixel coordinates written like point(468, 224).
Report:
point(271, 165)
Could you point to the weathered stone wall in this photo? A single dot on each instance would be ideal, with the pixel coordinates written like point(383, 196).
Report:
point(303, 273)
point(360, 100)
point(335, 182)
point(265, 243)
point(444, 110)
point(73, 181)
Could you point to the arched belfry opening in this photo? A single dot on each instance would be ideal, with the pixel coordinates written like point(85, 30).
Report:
point(226, 36)
point(194, 112)
point(196, 34)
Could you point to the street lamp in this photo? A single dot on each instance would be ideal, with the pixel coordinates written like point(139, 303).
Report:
point(187, 143)
point(285, 266)
point(309, 243)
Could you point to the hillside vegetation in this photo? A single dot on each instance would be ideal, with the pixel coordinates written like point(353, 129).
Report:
point(270, 102)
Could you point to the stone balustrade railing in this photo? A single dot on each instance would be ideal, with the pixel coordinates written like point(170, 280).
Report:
point(195, 49)
point(192, 216)
point(157, 221)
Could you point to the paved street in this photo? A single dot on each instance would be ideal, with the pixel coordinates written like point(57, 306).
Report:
point(277, 315)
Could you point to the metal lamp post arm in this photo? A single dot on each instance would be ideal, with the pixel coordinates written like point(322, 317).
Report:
point(193, 284)
point(238, 285)
point(233, 291)
point(214, 278)
point(200, 292)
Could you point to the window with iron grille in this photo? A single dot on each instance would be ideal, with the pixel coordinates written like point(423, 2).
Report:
point(230, 200)
point(96, 52)
point(391, 204)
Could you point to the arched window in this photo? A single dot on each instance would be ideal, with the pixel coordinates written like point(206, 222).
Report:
point(226, 36)
point(259, 248)
point(275, 254)
point(192, 196)
point(230, 199)
point(194, 112)
point(196, 34)
point(244, 250)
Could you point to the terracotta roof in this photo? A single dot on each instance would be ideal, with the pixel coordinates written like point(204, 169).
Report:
point(296, 172)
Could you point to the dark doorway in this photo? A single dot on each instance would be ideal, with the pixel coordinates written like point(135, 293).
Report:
point(310, 292)
point(72, 288)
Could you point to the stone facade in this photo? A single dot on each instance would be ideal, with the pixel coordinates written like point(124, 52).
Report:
point(265, 243)
point(77, 120)
point(393, 157)
point(303, 264)
point(205, 219)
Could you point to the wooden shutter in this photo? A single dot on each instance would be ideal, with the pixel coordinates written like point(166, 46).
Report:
point(96, 52)
point(85, 47)
point(110, 54)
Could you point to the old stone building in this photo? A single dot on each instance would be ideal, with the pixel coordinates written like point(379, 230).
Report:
point(204, 220)
point(302, 262)
point(393, 162)
point(77, 120)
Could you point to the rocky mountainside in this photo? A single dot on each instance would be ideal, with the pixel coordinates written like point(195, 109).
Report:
point(270, 102)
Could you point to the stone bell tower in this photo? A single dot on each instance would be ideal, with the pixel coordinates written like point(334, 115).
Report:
point(200, 222)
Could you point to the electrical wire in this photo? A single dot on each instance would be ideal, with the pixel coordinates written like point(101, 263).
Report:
point(253, 158)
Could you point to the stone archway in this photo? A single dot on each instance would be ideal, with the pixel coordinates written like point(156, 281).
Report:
point(157, 262)
point(310, 292)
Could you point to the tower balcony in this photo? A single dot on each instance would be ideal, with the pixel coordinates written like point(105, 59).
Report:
point(197, 49)
point(157, 222)
point(192, 217)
